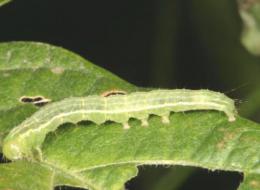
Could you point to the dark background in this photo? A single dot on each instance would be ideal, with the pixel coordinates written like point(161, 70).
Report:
point(151, 43)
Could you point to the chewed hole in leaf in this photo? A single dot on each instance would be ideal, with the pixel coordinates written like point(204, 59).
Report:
point(68, 188)
point(41, 103)
point(113, 93)
point(37, 98)
point(28, 99)
point(38, 101)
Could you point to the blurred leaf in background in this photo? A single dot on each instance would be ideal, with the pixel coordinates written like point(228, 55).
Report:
point(250, 14)
point(2, 2)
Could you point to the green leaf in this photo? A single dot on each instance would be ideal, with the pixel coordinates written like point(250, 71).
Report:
point(3, 2)
point(12, 178)
point(105, 157)
point(200, 139)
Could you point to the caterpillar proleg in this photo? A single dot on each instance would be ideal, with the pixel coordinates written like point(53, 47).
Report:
point(27, 137)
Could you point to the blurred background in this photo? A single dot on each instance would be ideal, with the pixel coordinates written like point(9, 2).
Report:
point(156, 43)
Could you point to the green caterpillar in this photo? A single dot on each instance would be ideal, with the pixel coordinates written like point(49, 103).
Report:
point(27, 137)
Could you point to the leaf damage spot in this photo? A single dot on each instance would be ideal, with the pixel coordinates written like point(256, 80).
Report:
point(38, 101)
point(113, 92)
point(57, 70)
point(255, 184)
point(228, 137)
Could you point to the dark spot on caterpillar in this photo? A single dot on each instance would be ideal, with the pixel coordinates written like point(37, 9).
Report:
point(113, 92)
point(36, 100)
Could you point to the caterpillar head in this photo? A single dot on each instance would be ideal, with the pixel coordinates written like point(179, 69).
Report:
point(12, 149)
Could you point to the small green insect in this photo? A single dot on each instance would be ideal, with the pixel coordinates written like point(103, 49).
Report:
point(26, 139)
